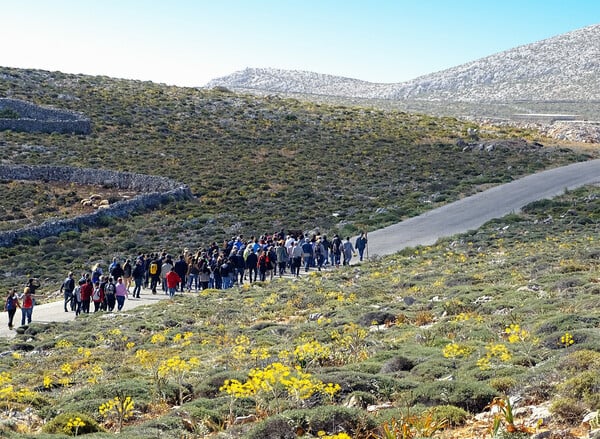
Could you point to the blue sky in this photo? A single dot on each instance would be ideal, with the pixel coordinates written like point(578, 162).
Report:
point(187, 43)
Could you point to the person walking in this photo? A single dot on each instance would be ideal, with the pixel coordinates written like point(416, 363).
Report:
point(347, 250)
point(87, 289)
point(361, 244)
point(172, 280)
point(120, 293)
point(67, 288)
point(127, 273)
point(97, 296)
point(138, 277)
point(11, 305)
point(27, 302)
point(110, 294)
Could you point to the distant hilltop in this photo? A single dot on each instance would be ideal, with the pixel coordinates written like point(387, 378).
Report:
point(562, 68)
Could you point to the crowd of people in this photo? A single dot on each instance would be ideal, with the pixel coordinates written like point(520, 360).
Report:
point(234, 262)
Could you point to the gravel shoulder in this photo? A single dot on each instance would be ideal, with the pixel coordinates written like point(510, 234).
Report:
point(461, 216)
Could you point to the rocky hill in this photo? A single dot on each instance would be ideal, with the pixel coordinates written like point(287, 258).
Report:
point(562, 68)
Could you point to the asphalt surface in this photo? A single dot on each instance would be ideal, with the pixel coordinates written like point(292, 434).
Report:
point(461, 216)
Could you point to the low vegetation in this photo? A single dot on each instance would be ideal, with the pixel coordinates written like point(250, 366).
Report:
point(255, 165)
point(426, 338)
point(407, 346)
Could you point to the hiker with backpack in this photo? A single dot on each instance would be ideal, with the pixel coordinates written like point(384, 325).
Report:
point(11, 304)
point(336, 250)
point(66, 289)
point(77, 296)
point(154, 273)
point(110, 294)
point(97, 296)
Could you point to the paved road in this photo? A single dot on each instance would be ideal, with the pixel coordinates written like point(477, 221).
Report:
point(472, 212)
point(463, 215)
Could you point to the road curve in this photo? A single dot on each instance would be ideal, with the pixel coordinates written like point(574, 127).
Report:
point(472, 212)
point(463, 215)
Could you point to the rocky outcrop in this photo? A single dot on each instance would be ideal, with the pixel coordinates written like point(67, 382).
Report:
point(155, 191)
point(32, 118)
point(564, 67)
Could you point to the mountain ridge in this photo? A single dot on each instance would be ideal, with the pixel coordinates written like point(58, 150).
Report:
point(563, 67)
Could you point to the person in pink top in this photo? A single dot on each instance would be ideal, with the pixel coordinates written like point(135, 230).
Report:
point(172, 279)
point(120, 293)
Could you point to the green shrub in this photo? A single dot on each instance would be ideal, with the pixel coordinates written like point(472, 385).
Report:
point(330, 419)
point(274, 427)
point(473, 397)
point(583, 387)
point(454, 416)
point(579, 361)
point(503, 384)
point(59, 423)
point(568, 410)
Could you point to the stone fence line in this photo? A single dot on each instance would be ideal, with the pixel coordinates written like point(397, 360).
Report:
point(155, 191)
point(37, 119)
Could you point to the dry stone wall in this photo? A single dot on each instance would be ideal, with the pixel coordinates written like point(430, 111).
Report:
point(35, 119)
point(155, 191)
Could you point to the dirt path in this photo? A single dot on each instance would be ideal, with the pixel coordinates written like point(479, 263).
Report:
point(461, 216)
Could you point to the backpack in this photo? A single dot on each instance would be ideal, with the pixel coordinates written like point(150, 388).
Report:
point(77, 293)
point(110, 289)
point(96, 295)
point(10, 304)
point(153, 268)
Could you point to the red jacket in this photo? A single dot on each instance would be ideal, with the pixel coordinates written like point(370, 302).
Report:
point(86, 291)
point(172, 279)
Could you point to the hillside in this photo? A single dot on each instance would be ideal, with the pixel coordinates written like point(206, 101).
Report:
point(415, 345)
point(423, 330)
point(254, 164)
point(562, 68)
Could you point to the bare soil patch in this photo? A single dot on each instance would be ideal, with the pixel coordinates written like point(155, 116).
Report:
point(29, 203)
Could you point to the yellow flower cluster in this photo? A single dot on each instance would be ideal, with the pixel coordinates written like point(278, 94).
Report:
point(311, 352)
point(455, 350)
point(73, 425)
point(466, 316)
point(297, 384)
point(352, 342)
point(86, 353)
point(158, 338)
point(183, 339)
point(515, 334)
point(323, 435)
point(567, 339)
point(8, 392)
point(63, 344)
point(177, 365)
point(122, 408)
point(145, 358)
point(494, 351)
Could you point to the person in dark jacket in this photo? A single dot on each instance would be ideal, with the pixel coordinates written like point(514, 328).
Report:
point(138, 274)
point(252, 265)
point(361, 244)
point(11, 305)
point(67, 288)
point(181, 268)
